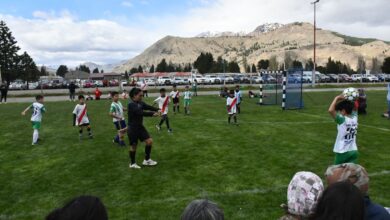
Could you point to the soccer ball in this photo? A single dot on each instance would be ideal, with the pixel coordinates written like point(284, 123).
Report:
point(351, 94)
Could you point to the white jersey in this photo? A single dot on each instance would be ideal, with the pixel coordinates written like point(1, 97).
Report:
point(187, 95)
point(163, 104)
point(238, 95)
point(232, 105)
point(81, 114)
point(144, 86)
point(174, 94)
point(117, 109)
point(37, 109)
point(346, 133)
point(388, 92)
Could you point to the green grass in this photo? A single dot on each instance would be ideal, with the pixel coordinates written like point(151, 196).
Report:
point(245, 169)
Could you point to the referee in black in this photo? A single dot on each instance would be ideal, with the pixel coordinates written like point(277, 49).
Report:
point(136, 130)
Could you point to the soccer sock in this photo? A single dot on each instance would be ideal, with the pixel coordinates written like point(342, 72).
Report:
point(161, 122)
point(81, 131)
point(185, 110)
point(116, 139)
point(132, 156)
point(178, 108)
point(148, 150)
point(229, 119)
point(167, 122)
point(235, 119)
point(89, 131)
point(174, 108)
point(35, 136)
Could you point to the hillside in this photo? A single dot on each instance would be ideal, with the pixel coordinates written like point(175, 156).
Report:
point(262, 44)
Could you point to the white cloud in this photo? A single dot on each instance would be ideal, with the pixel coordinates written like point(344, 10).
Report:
point(127, 4)
point(57, 38)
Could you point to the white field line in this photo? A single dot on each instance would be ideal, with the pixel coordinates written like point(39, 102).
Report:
point(360, 124)
point(273, 122)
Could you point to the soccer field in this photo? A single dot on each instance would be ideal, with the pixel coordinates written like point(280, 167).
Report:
point(245, 169)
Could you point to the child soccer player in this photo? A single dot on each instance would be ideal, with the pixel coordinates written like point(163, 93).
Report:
point(163, 102)
point(345, 146)
point(187, 100)
point(175, 94)
point(231, 104)
point(38, 109)
point(80, 117)
point(238, 96)
point(116, 112)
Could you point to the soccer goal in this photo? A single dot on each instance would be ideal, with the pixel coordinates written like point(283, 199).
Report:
point(271, 88)
point(292, 89)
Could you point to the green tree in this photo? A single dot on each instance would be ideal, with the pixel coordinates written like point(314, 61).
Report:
point(233, 67)
point(171, 67)
point(309, 65)
point(375, 66)
point(96, 70)
point(254, 70)
point(140, 69)
point(361, 66)
point(133, 70)
point(204, 63)
point(247, 69)
point(43, 71)
point(386, 65)
point(27, 69)
point(83, 68)
point(273, 63)
point(102, 71)
point(289, 58)
point(8, 53)
point(162, 66)
point(151, 70)
point(263, 64)
point(331, 66)
point(126, 75)
point(62, 70)
point(297, 64)
point(187, 68)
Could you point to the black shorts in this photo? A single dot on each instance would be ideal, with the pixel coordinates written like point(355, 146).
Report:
point(175, 100)
point(119, 125)
point(135, 134)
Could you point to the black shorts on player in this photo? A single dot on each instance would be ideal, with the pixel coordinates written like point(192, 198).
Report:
point(175, 100)
point(120, 125)
point(135, 134)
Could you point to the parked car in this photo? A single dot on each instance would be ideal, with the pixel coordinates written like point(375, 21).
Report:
point(98, 83)
point(150, 82)
point(333, 77)
point(356, 77)
point(267, 78)
point(113, 82)
point(125, 83)
point(212, 79)
point(294, 78)
point(256, 79)
point(178, 81)
point(307, 77)
point(228, 80)
point(344, 78)
point(370, 78)
point(186, 81)
point(200, 79)
point(17, 85)
point(164, 80)
point(245, 80)
point(33, 85)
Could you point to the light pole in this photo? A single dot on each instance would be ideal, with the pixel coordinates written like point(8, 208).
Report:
point(314, 51)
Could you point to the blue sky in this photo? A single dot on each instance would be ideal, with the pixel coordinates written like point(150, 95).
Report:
point(70, 32)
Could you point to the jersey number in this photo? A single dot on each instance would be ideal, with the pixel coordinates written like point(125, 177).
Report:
point(351, 133)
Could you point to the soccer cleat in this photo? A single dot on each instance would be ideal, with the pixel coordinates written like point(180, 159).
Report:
point(134, 166)
point(33, 144)
point(169, 130)
point(149, 162)
point(80, 137)
point(91, 136)
point(158, 127)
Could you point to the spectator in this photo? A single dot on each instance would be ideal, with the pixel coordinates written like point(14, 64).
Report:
point(252, 94)
point(98, 94)
point(80, 208)
point(224, 92)
point(72, 91)
point(303, 194)
point(4, 92)
point(358, 176)
point(387, 114)
point(340, 201)
point(89, 97)
point(195, 87)
point(361, 102)
point(144, 88)
point(125, 95)
point(202, 210)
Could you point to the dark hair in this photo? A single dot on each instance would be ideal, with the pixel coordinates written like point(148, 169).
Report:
point(237, 86)
point(80, 208)
point(346, 105)
point(81, 97)
point(231, 91)
point(38, 97)
point(162, 90)
point(202, 210)
point(114, 93)
point(134, 91)
point(174, 86)
point(342, 201)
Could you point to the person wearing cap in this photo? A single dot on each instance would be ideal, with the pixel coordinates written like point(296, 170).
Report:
point(358, 176)
point(303, 194)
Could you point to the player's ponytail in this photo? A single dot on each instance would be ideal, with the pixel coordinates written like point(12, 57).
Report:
point(134, 91)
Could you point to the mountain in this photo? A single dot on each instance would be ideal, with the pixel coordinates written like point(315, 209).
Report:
point(106, 67)
point(265, 41)
point(221, 34)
